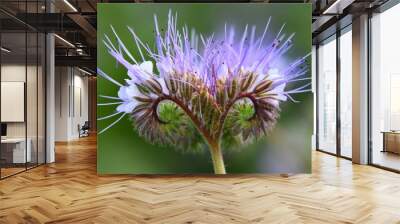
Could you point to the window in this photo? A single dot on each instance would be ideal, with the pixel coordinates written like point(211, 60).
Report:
point(346, 93)
point(327, 96)
point(385, 89)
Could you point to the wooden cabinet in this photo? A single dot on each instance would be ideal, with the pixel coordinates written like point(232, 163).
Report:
point(391, 142)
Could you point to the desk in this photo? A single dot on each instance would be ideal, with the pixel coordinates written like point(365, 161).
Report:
point(391, 141)
point(17, 150)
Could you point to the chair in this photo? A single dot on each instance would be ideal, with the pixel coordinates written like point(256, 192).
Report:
point(84, 130)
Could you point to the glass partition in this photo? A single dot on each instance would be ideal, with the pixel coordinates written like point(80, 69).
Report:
point(14, 153)
point(22, 77)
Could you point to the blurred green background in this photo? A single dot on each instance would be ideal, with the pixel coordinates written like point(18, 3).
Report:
point(288, 147)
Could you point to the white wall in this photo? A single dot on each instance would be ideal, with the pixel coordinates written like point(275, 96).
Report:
point(61, 103)
point(80, 110)
point(71, 102)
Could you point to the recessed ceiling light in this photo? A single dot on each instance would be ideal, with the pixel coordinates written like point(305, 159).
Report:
point(70, 5)
point(5, 50)
point(337, 7)
point(84, 71)
point(64, 40)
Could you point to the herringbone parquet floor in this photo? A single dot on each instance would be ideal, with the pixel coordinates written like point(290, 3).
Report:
point(69, 191)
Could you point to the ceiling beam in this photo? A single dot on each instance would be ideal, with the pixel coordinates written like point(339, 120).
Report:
point(81, 61)
point(85, 25)
point(337, 6)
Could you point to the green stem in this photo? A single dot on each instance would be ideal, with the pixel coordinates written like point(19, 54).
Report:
point(218, 160)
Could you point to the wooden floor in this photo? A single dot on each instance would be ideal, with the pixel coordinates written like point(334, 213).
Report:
point(387, 159)
point(5, 172)
point(69, 191)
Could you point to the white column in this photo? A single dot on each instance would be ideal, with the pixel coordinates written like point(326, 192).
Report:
point(50, 93)
point(360, 90)
point(50, 110)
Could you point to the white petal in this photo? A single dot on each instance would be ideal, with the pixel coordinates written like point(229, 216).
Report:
point(126, 107)
point(142, 72)
point(122, 93)
point(132, 91)
point(147, 66)
point(126, 93)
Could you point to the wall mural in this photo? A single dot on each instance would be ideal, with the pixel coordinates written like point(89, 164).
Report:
point(204, 88)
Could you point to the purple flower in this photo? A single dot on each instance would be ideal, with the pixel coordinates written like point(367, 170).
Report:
point(212, 81)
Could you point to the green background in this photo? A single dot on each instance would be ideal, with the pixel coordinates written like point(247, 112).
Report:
point(121, 151)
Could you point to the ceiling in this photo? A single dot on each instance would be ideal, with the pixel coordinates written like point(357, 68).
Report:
point(75, 21)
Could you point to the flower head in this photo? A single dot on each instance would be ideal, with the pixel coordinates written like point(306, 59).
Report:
point(193, 88)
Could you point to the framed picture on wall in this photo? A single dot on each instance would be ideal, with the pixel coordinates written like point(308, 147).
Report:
point(204, 88)
point(12, 101)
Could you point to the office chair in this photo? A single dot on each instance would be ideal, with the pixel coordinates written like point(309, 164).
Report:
point(84, 130)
